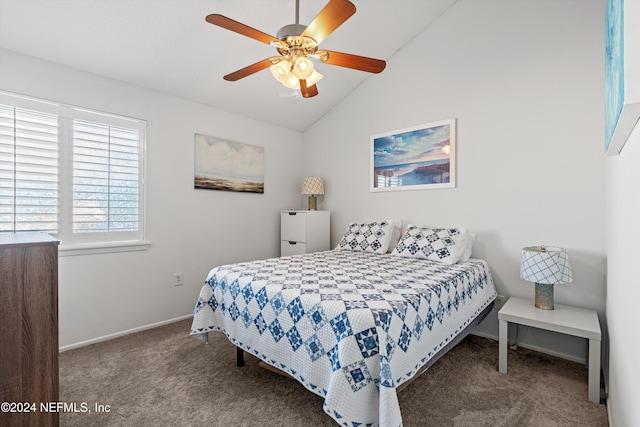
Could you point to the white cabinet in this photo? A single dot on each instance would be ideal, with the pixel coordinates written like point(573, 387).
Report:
point(303, 232)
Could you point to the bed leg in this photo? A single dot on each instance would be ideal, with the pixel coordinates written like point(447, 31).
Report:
point(239, 357)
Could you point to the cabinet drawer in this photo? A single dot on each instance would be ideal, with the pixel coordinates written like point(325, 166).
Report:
point(290, 247)
point(293, 226)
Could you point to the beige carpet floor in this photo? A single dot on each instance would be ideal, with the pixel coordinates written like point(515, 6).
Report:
point(163, 377)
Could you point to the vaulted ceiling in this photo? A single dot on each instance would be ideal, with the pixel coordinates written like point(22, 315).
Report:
point(167, 46)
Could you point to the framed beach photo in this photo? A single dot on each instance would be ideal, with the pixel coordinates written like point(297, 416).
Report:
point(421, 157)
point(226, 165)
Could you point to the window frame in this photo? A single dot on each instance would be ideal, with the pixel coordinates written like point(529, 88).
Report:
point(73, 243)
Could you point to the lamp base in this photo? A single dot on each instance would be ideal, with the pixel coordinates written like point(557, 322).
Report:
point(313, 203)
point(544, 296)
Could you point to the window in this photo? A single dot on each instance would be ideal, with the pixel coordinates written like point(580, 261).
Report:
point(74, 173)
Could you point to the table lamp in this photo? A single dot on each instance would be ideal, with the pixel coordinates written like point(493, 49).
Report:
point(312, 186)
point(545, 266)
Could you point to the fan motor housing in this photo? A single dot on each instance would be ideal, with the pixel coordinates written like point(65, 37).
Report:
point(290, 30)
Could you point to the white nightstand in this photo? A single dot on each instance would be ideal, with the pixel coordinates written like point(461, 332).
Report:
point(302, 232)
point(565, 319)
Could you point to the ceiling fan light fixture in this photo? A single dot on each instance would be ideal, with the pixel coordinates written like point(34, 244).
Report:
point(292, 82)
point(297, 44)
point(303, 68)
point(281, 70)
point(314, 78)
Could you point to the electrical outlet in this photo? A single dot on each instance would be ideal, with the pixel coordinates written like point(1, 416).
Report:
point(178, 279)
point(500, 301)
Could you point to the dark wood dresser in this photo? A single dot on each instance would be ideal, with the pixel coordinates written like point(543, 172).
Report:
point(28, 328)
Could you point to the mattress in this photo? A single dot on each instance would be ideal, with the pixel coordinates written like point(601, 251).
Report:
point(350, 326)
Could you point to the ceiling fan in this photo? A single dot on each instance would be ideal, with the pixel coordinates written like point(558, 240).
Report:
point(297, 45)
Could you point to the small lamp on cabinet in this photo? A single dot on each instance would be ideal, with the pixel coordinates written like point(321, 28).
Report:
point(312, 186)
point(545, 266)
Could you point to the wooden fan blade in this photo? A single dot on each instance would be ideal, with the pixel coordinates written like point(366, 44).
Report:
point(334, 14)
point(237, 27)
point(308, 92)
point(247, 71)
point(355, 62)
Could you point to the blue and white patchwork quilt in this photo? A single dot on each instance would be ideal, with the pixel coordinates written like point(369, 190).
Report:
point(350, 326)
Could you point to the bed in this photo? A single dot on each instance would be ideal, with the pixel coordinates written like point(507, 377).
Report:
point(352, 326)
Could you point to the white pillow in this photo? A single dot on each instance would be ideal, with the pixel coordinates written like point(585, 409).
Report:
point(368, 237)
point(445, 245)
point(397, 232)
point(471, 239)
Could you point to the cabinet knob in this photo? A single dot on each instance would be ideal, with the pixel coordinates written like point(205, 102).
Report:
point(292, 243)
point(292, 213)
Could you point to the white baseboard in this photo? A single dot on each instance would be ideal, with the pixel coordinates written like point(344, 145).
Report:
point(609, 412)
point(122, 333)
point(536, 348)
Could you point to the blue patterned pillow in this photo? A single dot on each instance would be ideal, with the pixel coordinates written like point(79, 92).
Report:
point(368, 237)
point(445, 245)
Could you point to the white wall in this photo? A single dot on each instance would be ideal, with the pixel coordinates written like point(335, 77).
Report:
point(623, 292)
point(525, 82)
point(191, 231)
point(623, 230)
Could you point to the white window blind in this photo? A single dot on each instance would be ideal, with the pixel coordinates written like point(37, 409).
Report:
point(72, 172)
point(28, 170)
point(105, 178)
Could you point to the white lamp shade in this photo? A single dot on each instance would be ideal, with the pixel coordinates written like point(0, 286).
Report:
point(545, 264)
point(312, 186)
point(314, 78)
point(303, 68)
point(281, 70)
point(291, 81)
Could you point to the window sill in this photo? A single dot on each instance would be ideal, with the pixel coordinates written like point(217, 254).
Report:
point(102, 248)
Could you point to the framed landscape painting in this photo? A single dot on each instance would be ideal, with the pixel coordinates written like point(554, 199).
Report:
point(226, 165)
point(415, 158)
